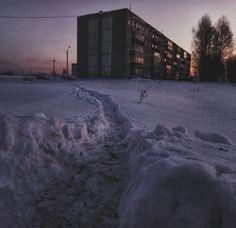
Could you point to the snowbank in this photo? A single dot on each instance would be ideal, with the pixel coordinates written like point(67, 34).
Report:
point(177, 181)
point(36, 151)
point(213, 137)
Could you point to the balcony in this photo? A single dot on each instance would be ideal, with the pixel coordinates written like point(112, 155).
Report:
point(138, 36)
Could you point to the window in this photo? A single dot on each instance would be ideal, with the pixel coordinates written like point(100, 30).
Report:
point(185, 55)
point(138, 71)
point(92, 71)
point(169, 55)
point(168, 69)
point(137, 59)
point(138, 47)
point(157, 54)
point(92, 61)
point(139, 36)
point(106, 70)
point(157, 57)
point(178, 56)
point(106, 60)
point(107, 23)
point(170, 45)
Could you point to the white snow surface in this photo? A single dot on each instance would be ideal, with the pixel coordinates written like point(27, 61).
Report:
point(35, 150)
point(53, 98)
point(177, 181)
point(174, 103)
point(69, 156)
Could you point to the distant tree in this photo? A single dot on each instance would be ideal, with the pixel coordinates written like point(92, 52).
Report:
point(222, 47)
point(231, 69)
point(202, 45)
point(223, 39)
point(211, 47)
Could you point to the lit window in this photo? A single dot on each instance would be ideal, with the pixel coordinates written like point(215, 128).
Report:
point(185, 55)
point(170, 43)
point(169, 55)
point(168, 69)
point(178, 56)
point(138, 59)
point(157, 57)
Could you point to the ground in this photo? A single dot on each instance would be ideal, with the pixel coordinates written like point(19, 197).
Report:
point(86, 153)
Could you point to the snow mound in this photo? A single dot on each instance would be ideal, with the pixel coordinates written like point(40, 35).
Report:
point(177, 182)
point(213, 137)
point(36, 151)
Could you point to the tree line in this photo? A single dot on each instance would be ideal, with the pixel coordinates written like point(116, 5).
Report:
point(213, 47)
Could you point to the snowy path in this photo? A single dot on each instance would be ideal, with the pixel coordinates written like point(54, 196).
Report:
point(90, 196)
point(98, 171)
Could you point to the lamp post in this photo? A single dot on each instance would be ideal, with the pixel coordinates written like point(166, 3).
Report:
point(54, 67)
point(67, 51)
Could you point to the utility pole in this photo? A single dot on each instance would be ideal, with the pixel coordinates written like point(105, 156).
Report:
point(54, 67)
point(67, 51)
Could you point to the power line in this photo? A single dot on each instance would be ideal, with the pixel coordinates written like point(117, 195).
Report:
point(35, 17)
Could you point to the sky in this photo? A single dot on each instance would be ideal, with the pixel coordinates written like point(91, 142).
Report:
point(31, 44)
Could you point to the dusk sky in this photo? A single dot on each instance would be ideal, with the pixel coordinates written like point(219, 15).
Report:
point(33, 43)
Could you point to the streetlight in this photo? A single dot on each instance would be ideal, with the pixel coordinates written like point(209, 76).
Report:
point(67, 51)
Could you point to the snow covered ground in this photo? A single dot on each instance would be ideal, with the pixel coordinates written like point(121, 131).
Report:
point(49, 97)
point(172, 104)
point(71, 157)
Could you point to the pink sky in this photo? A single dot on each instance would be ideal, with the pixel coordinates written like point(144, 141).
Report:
point(33, 43)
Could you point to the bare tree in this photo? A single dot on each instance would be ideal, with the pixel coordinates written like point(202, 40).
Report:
point(211, 47)
point(202, 45)
point(223, 39)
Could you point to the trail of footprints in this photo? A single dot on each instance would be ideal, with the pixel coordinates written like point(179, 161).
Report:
point(90, 196)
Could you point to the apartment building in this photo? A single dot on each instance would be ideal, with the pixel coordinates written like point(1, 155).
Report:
point(119, 44)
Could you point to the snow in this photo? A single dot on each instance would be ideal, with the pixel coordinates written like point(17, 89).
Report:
point(177, 181)
point(35, 150)
point(87, 154)
point(213, 137)
point(54, 99)
point(171, 103)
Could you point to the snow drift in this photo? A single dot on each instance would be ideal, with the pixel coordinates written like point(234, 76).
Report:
point(34, 151)
point(177, 181)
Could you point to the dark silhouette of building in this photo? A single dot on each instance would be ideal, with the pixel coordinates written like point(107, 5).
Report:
point(74, 69)
point(119, 44)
